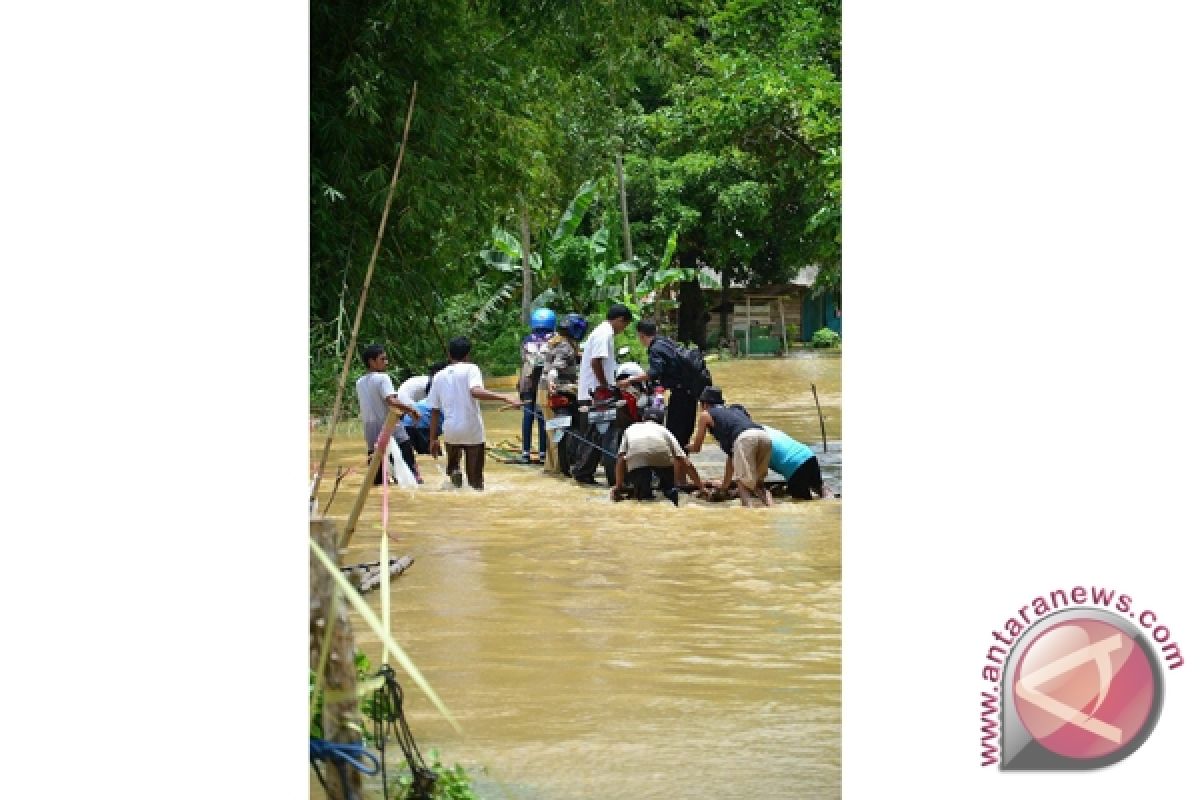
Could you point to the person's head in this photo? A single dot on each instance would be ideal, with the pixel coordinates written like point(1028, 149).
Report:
point(375, 358)
point(619, 317)
point(653, 414)
point(542, 320)
point(459, 348)
point(646, 331)
point(711, 396)
point(574, 326)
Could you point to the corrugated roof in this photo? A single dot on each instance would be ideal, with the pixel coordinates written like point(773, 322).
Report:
point(806, 277)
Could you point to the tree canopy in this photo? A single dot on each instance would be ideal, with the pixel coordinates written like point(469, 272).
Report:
point(727, 115)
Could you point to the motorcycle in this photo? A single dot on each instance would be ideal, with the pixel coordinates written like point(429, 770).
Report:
point(564, 426)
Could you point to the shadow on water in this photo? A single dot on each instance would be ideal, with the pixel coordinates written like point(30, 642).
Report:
point(594, 650)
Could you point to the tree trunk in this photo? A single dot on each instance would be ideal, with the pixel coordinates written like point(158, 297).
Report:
point(725, 304)
point(340, 716)
point(526, 267)
point(625, 220)
point(693, 314)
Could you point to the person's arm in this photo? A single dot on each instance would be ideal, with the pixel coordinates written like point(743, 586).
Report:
point(619, 477)
point(435, 428)
point(702, 423)
point(394, 401)
point(685, 468)
point(598, 370)
point(480, 393)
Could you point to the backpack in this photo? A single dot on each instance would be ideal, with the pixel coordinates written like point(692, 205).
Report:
point(533, 354)
point(695, 377)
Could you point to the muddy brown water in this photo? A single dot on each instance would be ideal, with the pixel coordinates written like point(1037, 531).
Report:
point(593, 650)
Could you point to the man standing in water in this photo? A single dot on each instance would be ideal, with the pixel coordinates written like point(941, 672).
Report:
point(454, 398)
point(746, 445)
point(669, 368)
point(597, 374)
point(375, 395)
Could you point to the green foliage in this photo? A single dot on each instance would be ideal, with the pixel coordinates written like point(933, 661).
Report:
point(452, 783)
point(727, 112)
point(825, 338)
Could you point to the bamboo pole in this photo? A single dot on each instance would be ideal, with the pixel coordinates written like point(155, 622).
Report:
point(389, 424)
point(362, 301)
point(340, 717)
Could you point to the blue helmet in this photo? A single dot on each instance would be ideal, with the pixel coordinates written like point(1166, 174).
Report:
point(576, 326)
point(542, 320)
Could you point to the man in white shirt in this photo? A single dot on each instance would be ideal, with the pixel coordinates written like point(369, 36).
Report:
point(453, 400)
point(375, 396)
point(597, 371)
point(649, 450)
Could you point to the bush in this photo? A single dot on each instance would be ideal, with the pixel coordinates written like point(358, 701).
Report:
point(826, 338)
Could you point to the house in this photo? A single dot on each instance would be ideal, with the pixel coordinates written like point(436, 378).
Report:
point(768, 319)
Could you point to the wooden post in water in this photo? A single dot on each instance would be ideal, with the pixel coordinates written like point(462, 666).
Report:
point(820, 417)
point(340, 718)
point(783, 327)
point(377, 457)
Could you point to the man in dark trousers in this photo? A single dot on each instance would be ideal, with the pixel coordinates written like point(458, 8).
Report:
point(667, 368)
point(597, 375)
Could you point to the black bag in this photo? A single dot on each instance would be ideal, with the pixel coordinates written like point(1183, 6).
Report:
point(694, 376)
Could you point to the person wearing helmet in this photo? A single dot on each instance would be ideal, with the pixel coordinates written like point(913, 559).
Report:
point(562, 376)
point(533, 351)
point(562, 352)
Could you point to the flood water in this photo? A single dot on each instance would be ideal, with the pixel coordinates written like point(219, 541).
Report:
point(594, 650)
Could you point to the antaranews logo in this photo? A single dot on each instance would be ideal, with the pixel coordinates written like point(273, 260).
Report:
point(1074, 682)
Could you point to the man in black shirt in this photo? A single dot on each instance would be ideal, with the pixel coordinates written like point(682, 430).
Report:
point(668, 370)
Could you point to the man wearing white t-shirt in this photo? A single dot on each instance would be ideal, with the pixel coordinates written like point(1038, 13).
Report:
point(597, 370)
point(453, 400)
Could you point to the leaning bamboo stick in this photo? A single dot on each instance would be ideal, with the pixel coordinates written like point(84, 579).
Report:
point(362, 302)
point(377, 457)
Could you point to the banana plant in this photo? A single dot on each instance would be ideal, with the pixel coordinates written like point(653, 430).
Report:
point(504, 253)
point(654, 284)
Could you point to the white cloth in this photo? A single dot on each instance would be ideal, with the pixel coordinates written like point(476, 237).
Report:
point(648, 444)
point(462, 419)
point(413, 390)
point(398, 470)
point(599, 344)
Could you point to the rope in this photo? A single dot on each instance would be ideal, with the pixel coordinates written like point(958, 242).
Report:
point(387, 714)
point(341, 754)
point(569, 432)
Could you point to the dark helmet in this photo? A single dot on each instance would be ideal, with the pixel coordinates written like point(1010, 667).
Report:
point(575, 326)
point(542, 320)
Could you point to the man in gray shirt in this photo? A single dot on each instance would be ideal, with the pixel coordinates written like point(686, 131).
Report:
point(375, 395)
